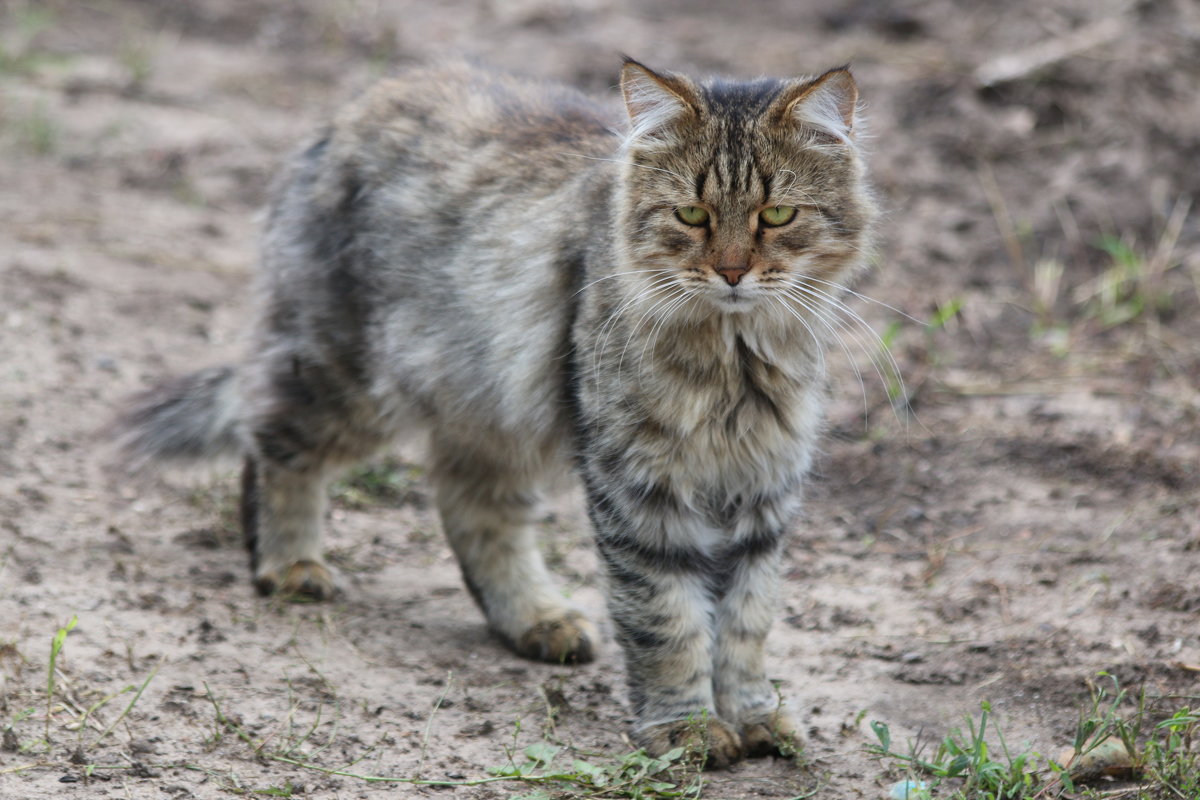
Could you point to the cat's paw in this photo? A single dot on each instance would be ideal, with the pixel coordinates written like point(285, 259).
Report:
point(303, 580)
point(567, 638)
point(774, 734)
point(710, 741)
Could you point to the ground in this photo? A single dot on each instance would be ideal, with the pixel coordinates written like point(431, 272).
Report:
point(1027, 523)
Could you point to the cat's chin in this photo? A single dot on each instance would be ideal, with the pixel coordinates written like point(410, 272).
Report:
point(735, 302)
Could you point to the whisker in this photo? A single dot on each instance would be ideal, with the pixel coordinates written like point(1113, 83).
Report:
point(812, 334)
point(662, 318)
point(618, 274)
point(670, 298)
point(882, 361)
point(855, 317)
point(860, 296)
point(826, 319)
point(609, 325)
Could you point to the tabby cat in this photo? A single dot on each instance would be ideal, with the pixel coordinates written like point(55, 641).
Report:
point(536, 283)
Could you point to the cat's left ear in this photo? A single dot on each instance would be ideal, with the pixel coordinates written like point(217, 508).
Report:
point(656, 102)
point(828, 103)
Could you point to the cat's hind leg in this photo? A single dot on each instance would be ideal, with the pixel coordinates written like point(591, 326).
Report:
point(303, 423)
point(486, 508)
point(282, 514)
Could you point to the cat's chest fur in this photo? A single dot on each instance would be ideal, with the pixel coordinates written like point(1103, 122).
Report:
point(714, 412)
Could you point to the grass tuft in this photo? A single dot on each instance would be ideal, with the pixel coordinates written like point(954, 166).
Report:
point(1155, 761)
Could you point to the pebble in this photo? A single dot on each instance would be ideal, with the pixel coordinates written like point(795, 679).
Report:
point(908, 790)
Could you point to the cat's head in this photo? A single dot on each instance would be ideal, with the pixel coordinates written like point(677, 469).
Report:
point(743, 195)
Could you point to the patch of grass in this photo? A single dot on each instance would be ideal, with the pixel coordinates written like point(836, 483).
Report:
point(1133, 285)
point(633, 775)
point(1156, 761)
point(542, 770)
point(1125, 290)
point(65, 706)
point(926, 356)
point(36, 130)
point(391, 483)
point(136, 56)
point(18, 51)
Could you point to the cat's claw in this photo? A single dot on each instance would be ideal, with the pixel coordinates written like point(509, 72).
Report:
point(567, 639)
point(710, 741)
point(303, 580)
point(774, 735)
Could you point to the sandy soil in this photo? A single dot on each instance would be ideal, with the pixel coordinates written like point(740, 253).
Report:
point(1031, 523)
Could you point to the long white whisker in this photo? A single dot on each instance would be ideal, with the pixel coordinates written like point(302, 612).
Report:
point(812, 334)
point(618, 274)
point(662, 318)
point(795, 178)
point(610, 324)
point(825, 319)
point(853, 316)
point(880, 356)
point(860, 296)
point(670, 298)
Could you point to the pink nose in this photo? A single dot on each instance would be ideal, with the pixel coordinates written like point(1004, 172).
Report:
point(733, 274)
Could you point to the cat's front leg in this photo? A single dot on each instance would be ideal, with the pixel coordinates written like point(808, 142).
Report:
point(749, 603)
point(663, 611)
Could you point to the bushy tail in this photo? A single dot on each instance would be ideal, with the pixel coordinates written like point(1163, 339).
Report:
point(187, 419)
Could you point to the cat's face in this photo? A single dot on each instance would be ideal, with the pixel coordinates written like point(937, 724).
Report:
point(743, 195)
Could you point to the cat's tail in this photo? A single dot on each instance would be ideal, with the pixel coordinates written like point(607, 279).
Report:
point(188, 419)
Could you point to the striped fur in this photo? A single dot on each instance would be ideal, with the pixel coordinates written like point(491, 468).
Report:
point(500, 265)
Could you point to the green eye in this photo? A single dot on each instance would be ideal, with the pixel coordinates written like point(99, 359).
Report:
point(692, 215)
point(777, 215)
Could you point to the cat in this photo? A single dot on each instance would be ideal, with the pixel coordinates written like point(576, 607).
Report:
point(537, 283)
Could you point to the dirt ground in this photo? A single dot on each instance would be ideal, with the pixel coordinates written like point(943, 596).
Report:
point(1031, 523)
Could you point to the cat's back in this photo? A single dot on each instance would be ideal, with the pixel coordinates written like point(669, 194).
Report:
point(470, 126)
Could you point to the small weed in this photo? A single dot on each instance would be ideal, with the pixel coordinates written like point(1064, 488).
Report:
point(56, 645)
point(944, 314)
point(1171, 757)
point(944, 318)
point(1124, 290)
point(137, 58)
point(36, 131)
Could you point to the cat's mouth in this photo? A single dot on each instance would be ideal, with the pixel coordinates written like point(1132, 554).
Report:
point(736, 299)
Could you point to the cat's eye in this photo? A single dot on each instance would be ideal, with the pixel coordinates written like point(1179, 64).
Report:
point(775, 216)
point(692, 215)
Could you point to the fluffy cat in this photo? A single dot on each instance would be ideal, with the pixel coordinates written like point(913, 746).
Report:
point(535, 283)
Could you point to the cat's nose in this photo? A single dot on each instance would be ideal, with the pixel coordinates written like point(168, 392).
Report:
point(733, 274)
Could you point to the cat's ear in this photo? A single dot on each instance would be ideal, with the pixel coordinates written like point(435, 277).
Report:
point(828, 104)
point(656, 102)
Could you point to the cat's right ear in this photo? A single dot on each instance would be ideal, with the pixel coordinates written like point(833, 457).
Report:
point(656, 102)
